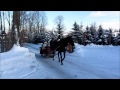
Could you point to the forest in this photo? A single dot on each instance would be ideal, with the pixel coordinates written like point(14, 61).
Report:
point(18, 27)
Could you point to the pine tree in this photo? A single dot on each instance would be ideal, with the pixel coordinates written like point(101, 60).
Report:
point(93, 32)
point(75, 27)
point(88, 35)
point(60, 26)
point(76, 31)
point(100, 35)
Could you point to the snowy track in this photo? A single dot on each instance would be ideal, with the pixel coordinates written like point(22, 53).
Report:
point(75, 66)
point(52, 66)
point(86, 62)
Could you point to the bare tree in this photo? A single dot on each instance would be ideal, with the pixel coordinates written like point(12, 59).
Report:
point(4, 20)
point(1, 21)
point(23, 19)
point(40, 23)
point(43, 19)
point(31, 23)
point(43, 23)
point(8, 18)
point(60, 27)
point(16, 25)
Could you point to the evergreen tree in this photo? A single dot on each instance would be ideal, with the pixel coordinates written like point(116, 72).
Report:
point(80, 34)
point(88, 35)
point(60, 26)
point(76, 32)
point(110, 36)
point(75, 27)
point(100, 38)
point(93, 33)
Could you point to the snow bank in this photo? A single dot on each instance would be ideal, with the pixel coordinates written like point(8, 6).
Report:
point(17, 51)
point(78, 51)
point(17, 61)
point(98, 46)
point(81, 50)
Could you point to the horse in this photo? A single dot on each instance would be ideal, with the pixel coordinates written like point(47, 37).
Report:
point(61, 47)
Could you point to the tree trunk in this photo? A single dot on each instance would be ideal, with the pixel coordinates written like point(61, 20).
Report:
point(16, 20)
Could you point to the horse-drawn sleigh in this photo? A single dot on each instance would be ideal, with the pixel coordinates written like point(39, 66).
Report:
point(45, 50)
point(49, 49)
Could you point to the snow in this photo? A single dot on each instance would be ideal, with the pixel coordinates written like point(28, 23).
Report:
point(86, 62)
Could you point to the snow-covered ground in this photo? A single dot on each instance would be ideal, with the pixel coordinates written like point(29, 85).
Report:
point(87, 62)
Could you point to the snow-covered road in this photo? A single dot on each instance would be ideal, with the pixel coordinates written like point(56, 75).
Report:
point(86, 62)
point(51, 66)
point(76, 66)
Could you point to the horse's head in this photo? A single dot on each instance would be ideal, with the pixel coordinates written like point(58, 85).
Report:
point(65, 41)
point(69, 40)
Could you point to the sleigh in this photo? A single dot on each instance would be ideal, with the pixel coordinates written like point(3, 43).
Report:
point(46, 51)
point(70, 48)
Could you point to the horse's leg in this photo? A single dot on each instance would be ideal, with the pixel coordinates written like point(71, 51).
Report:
point(61, 58)
point(58, 56)
point(53, 55)
point(64, 55)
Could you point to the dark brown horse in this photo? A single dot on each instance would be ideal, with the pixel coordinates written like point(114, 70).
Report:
point(61, 48)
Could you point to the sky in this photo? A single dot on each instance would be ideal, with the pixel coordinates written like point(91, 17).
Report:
point(86, 62)
point(108, 19)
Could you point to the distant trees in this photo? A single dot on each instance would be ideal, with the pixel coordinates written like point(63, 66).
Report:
point(33, 24)
point(100, 37)
point(9, 18)
point(93, 35)
point(60, 26)
point(37, 22)
point(87, 35)
point(75, 27)
point(23, 19)
point(2, 21)
point(77, 33)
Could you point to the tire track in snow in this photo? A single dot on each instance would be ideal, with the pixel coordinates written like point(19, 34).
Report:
point(54, 66)
point(58, 70)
